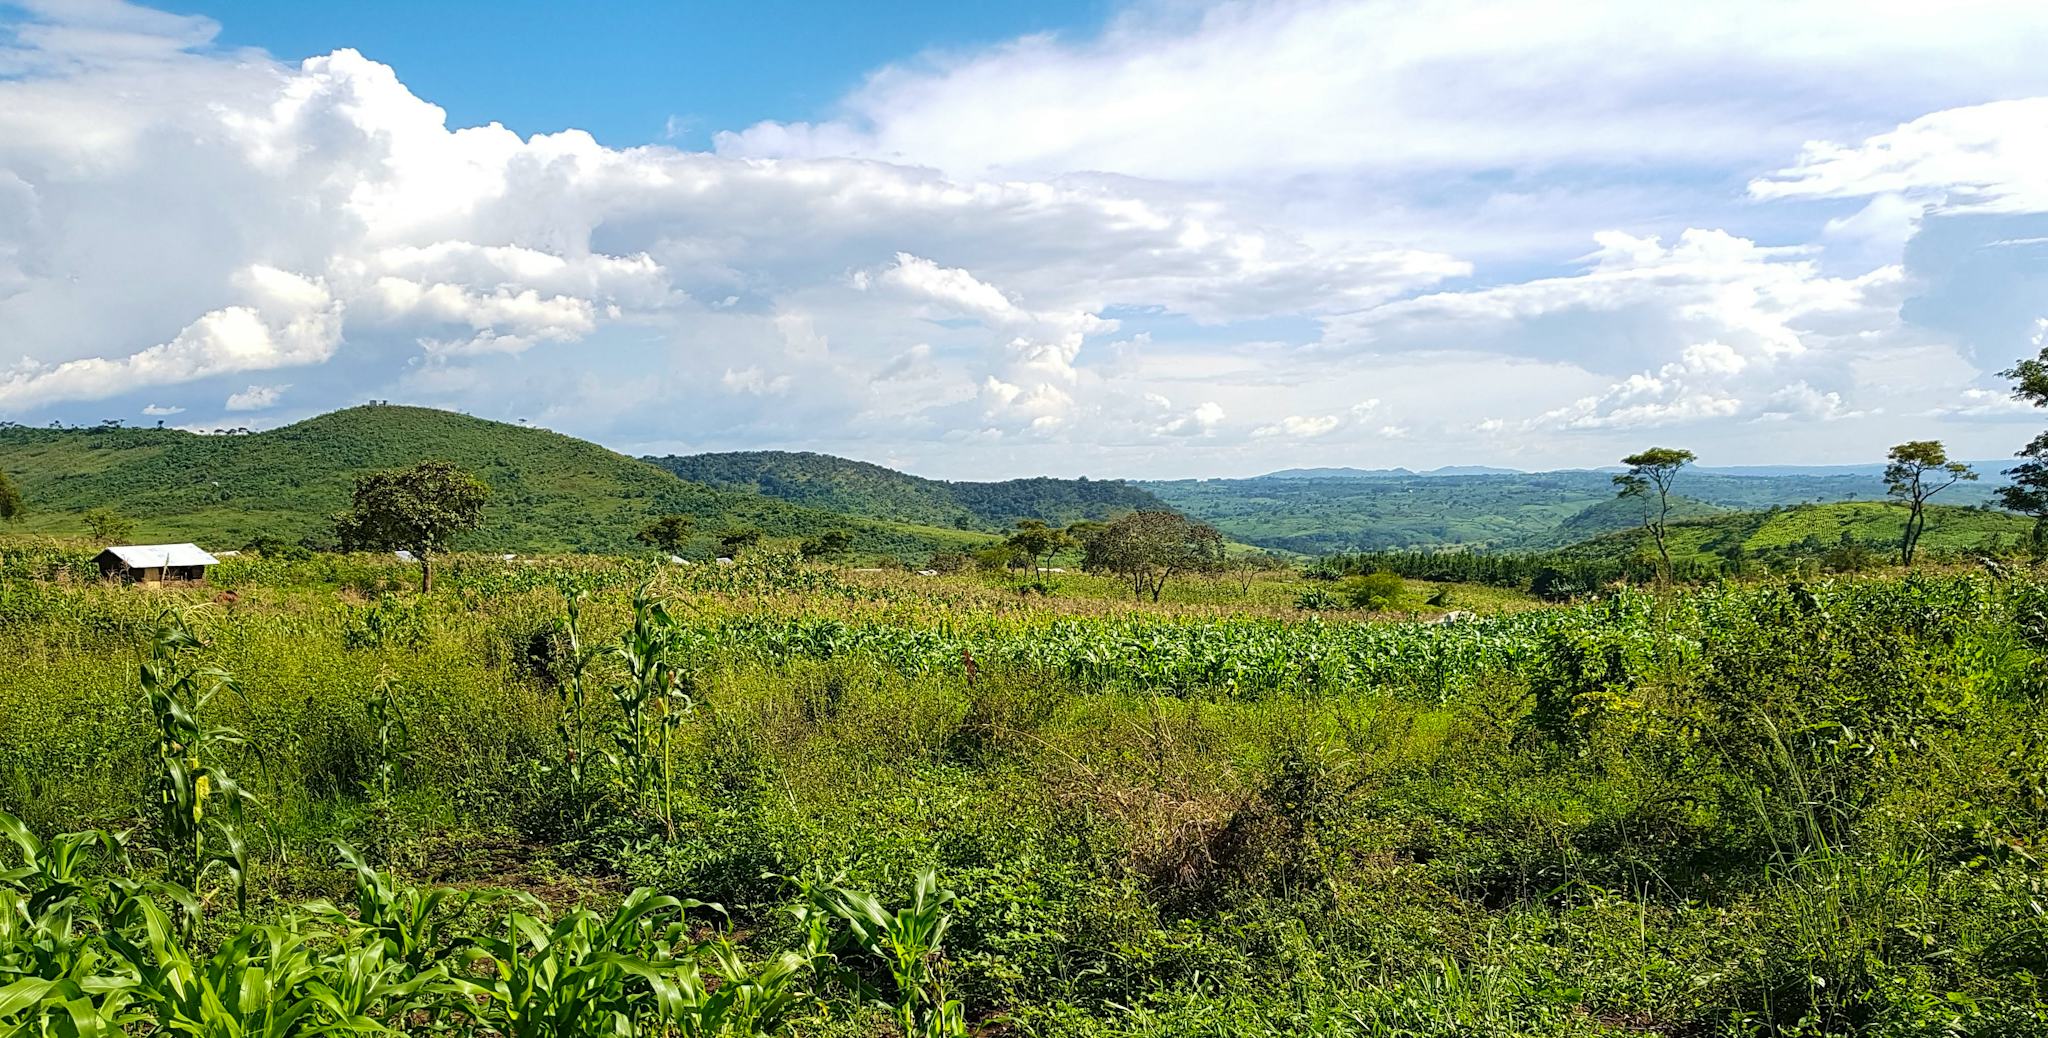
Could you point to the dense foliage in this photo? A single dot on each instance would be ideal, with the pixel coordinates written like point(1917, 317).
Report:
point(1523, 511)
point(550, 492)
point(1805, 539)
point(860, 488)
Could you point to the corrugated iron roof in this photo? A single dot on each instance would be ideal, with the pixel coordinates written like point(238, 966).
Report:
point(154, 556)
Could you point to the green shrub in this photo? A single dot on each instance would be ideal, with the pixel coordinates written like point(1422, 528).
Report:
point(1373, 591)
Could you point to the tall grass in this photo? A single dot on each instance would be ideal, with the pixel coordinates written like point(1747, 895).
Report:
point(1786, 808)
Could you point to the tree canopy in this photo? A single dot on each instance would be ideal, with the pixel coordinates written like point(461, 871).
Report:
point(12, 506)
point(108, 526)
point(1653, 471)
point(421, 509)
point(830, 544)
point(1150, 548)
point(668, 533)
point(1036, 541)
point(1918, 470)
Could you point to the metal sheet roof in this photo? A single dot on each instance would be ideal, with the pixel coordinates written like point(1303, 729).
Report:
point(153, 556)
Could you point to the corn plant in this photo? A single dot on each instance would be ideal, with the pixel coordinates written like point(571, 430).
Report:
point(198, 805)
point(737, 1001)
point(393, 742)
point(415, 926)
point(283, 980)
point(46, 913)
point(652, 700)
point(571, 724)
point(580, 975)
point(909, 942)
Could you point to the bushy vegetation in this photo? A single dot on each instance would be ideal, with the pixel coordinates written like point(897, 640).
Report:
point(1810, 540)
point(786, 798)
point(549, 492)
point(1533, 511)
point(860, 488)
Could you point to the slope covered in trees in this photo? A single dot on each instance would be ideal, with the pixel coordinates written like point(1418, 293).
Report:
point(549, 492)
point(862, 488)
point(1531, 510)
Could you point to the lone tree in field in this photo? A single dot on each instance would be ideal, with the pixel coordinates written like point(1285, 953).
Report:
point(668, 533)
point(1036, 541)
point(12, 507)
point(1150, 548)
point(1919, 470)
point(108, 526)
point(1653, 471)
point(421, 509)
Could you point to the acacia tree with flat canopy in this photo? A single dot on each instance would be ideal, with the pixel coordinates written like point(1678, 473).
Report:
point(1919, 470)
point(1150, 548)
point(1650, 471)
point(421, 509)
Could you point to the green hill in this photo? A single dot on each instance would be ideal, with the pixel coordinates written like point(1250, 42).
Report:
point(1616, 514)
point(550, 492)
point(861, 488)
point(1384, 512)
point(1812, 530)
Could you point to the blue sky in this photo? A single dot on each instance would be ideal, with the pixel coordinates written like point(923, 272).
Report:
point(1153, 238)
point(637, 72)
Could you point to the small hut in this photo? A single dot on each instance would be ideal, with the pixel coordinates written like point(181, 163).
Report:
point(154, 563)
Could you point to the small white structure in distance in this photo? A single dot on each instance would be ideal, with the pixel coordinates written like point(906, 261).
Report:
point(403, 556)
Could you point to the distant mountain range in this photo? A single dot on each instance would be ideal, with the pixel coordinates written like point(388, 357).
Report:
point(1344, 473)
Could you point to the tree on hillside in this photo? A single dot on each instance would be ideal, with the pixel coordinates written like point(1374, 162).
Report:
point(421, 509)
point(1920, 469)
point(1150, 548)
point(12, 507)
point(2027, 494)
point(1038, 542)
point(668, 533)
point(831, 544)
point(739, 540)
point(108, 526)
point(1653, 471)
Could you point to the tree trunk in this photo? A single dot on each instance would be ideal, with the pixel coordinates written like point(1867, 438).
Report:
point(1663, 518)
point(426, 573)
